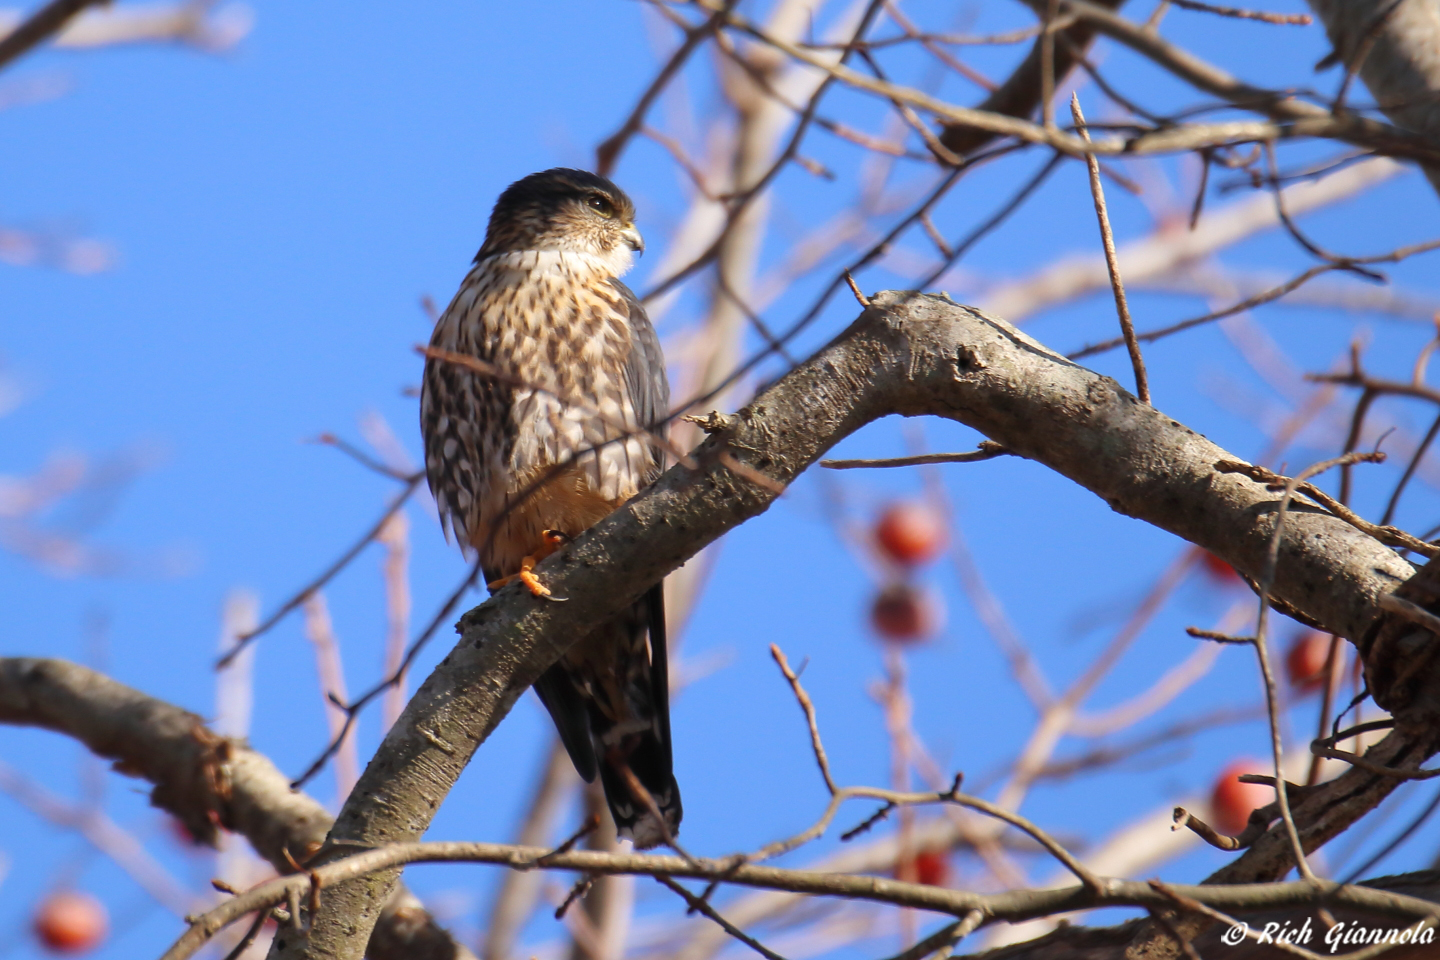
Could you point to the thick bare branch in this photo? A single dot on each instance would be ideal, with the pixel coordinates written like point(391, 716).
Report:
point(909, 354)
point(205, 780)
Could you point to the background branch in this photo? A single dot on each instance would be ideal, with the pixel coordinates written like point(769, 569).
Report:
point(206, 781)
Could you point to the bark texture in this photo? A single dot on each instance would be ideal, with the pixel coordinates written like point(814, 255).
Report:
point(206, 781)
point(909, 354)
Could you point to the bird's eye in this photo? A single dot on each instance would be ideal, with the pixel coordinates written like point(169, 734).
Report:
point(601, 204)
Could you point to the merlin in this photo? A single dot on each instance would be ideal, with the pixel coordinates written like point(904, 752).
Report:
point(558, 425)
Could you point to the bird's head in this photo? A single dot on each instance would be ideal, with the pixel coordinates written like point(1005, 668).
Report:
point(570, 211)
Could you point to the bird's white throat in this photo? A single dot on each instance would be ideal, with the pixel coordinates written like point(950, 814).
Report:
point(582, 264)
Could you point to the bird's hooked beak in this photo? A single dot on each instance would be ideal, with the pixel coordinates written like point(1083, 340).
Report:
point(633, 238)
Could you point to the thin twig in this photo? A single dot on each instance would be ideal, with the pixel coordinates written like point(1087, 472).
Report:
point(807, 705)
point(939, 944)
point(1332, 674)
point(1185, 819)
point(1292, 19)
point(941, 152)
point(396, 540)
point(1272, 180)
point(1394, 844)
point(930, 44)
point(1199, 634)
point(352, 709)
point(1266, 582)
point(591, 824)
point(1361, 53)
point(581, 887)
point(698, 905)
point(958, 250)
point(748, 472)
point(1047, 66)
point(646, 800)
point(1200, 188)
point(952, 39)
point(319, 582)
point(244, 943)
point(1410, 469)
point(677, 153)
point(330, 672)
point(742, 202)
point(860, 297)
point(865, 825)
point(1390, 536)
point(1112, 263)
point(987, 450)
point(363, 458)
point(1355, 760)
point(1259, 299)
point(609, 151)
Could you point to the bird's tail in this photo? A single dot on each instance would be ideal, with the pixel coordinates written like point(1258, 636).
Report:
point(610, 699)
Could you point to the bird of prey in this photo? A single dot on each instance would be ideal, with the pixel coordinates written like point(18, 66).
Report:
point(553, 429)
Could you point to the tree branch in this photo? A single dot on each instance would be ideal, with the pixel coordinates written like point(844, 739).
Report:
point(1013, 905)
point(1289, 118)
point(1392, 46)
point(1019, 96)
point(43, 24)
point(205, 780)
point(909, 354)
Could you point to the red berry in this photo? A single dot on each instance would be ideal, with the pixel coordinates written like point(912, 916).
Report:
point(1305, 661)
point(1219, 570)
point(910, 533)
point(931, 868)
point(904, 613)
point(1232, 801)
point(70, 921)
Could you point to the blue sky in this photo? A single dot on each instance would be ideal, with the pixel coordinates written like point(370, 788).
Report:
point(279, 211)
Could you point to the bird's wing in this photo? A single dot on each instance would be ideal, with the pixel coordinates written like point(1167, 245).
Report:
point(463, 416)
point(645, 379)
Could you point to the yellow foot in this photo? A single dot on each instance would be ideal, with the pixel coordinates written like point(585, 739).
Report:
point(552, 541)
point(525, 576)
point(532, 583)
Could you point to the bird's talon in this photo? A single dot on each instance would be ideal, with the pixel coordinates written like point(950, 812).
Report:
point(532, 583)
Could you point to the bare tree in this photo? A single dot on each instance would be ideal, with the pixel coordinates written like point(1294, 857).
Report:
point(790, 74)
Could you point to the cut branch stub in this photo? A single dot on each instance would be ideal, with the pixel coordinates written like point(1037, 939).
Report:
point(909, 354)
